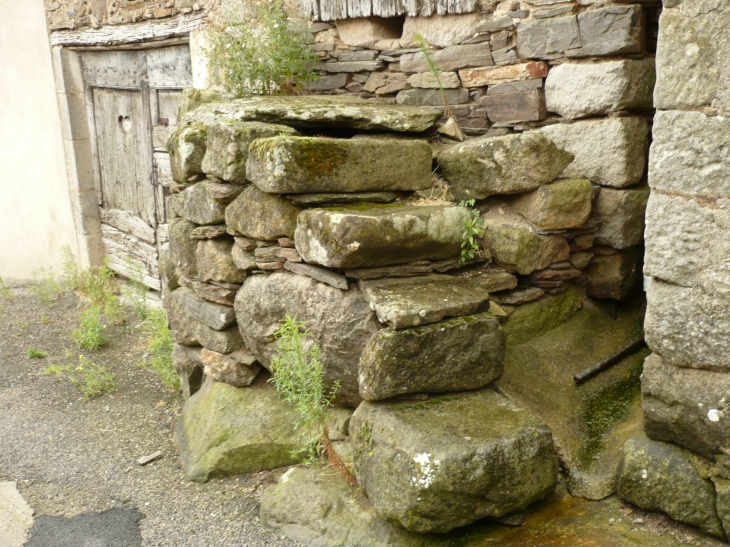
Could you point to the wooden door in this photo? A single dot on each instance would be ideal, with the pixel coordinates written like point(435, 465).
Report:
point(132, 99)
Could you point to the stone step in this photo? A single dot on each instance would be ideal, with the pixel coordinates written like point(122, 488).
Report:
point(318, 111)
point(379, 235)
point(301, 165)
point(436, 465)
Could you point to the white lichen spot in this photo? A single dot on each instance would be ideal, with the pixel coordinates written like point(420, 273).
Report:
point(354, 246)
point(690, 50)
point(285, 476)
point(713, 415)
point(426, 471)
point(644, 474)
point(422, 313)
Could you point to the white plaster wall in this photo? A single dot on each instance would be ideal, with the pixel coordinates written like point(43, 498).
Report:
point(36, 219)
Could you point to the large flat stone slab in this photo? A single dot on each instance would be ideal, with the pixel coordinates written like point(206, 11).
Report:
point(339, 321)
point(225, 430)
point(318, 111)
point(502, 165)
point(303, 165)
point(439, 464)
point(357, 237)
point(453, 355)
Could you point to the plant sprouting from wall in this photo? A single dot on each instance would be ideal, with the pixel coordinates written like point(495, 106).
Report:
point(473, 232)
point(257, 50)
point(297, 374)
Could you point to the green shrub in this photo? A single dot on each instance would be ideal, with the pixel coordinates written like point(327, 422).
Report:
point(45, 287)
point(160, 348)
point(91, 333)
point(258, 51)
point(35, 353)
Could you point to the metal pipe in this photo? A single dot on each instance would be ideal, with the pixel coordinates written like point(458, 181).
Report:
point(609, 361)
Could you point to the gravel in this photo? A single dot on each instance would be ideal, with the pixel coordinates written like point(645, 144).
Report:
point(72, 456)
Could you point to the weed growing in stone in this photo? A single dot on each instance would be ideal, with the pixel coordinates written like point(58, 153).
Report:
point(92, 380)
point(297, 374)
point(136, 290)
point(473, 232)
point(257, 50)
point(160, 348)
point(35, 353)
point(45, 287)
point(91, 333)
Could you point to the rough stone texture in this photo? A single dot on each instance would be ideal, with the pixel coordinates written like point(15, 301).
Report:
point(589, 422)
point(367, 31)
point(301, 165)
point(547, 38)
point(525, 106)
point(182, 324)
point(183, 247)
point(449, 58)
point(452, 355)
point(382, 83)
point(215, 262)
point(502, 165)
point(212, 291)
point(223, 368)
point(340, 322)
point(479, 77)
point(263, 216)
point(323, 275)
point(535, 318)
point(318, 111)
point(685, 406)
point(577, 90)
point(189, 366)
point(413, 301)
point(623, 143)
point(187, 148)
point(610, 31)
point(620, 214)
point(673, 169)
point(663, 477)
point(169, 276)
point(379, 236)
point(244, 260)
point(559, 205)
point(449, 80)
point(439, 30)
point(434, 466)
point(222, 341)
point(613, 276)
point(215, 316)
point(215, 230)
point(318, 508)
point(688, 327)
point(343, 197)
point(225, 430)
point(432, 97)
point(227, 147)
point(515, 246)
point(196, 205)
point(722, 489)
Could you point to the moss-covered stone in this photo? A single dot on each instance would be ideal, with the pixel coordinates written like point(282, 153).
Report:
point(183, 247)
point(452, 355)
point(195, 204)
point(319, 111)
point(227, 145)
point(535, 318)
point(311, 164)
point(558, 205)
point(502, 165)
point(439, 464)
point(259, 215)
point(215, 262)
point(589, 421)
point(192, 98)
point(186, 146)
point(372, 236)
point(225, 430)
point(169, 275)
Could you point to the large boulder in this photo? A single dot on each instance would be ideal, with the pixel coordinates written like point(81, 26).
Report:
point(187, 148)
point(317, 508)
point(196, 205)
point(318, 111)
point(260, 215)
point(686, 406)
point(227, 147)
point(502, 165)
point(623, 143)
point(558, 205)
point(340, 322)
point(183, 247)
point(379, 235)
point(300, 165)
point(453, 355)
point(215, 262)
point(578, 90)
point(665, 477)
point(225, 430)
point(436, 465)
point(620, 214)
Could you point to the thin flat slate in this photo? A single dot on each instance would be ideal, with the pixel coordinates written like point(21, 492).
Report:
point(301, 165)
point(413, 301)
point(215, 316)
point(350, 197)
point(379, 236)
point(318, 111)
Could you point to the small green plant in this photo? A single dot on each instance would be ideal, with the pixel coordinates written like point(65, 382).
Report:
point(91, 333)
point(45, 287)
point(44, 319)
point(257, 50)
point(6, 292)
point(297, 375)
point(35, 353)
point(70, 272)
point(473, 232)
point(92, 380)
point(23, 324)
point(95, 286)
point(160, 348)
point(55, 369)
point(136, 290)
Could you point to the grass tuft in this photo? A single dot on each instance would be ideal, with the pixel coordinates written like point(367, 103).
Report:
point(91, 333)
point(35, 353)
